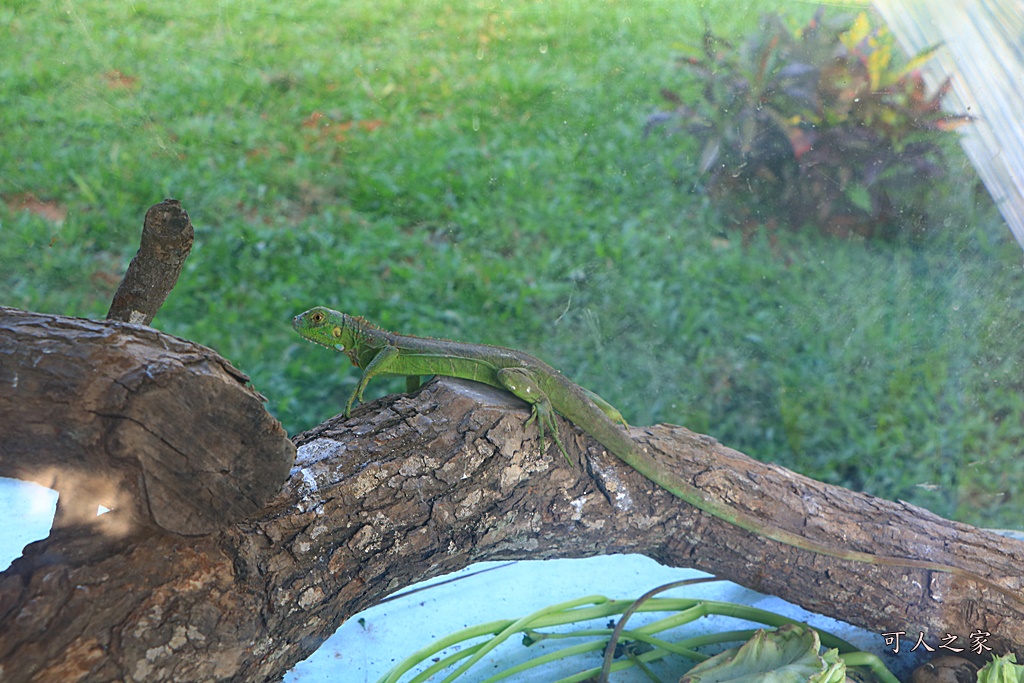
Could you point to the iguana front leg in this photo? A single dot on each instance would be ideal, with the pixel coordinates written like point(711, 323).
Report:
point(520, 381)
point(381, 364)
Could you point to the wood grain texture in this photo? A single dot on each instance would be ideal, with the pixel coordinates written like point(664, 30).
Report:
point(127, 417)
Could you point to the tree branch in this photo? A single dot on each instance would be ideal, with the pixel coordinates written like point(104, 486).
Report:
point(416, 486)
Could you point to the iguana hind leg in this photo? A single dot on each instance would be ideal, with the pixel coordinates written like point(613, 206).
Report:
point(520, 381)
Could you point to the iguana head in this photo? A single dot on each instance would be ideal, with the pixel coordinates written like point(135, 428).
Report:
point(329, 328)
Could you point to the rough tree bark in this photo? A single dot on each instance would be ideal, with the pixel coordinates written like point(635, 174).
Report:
point(164, 430)
point(167, 237)
point(416, 486)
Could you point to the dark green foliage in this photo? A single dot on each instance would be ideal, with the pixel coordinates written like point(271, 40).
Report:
point(818, 126)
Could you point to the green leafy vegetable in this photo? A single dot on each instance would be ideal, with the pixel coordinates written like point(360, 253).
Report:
point(786, 655)
point(1002, 670)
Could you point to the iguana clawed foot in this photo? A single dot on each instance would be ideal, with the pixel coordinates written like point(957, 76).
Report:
point(520, 382)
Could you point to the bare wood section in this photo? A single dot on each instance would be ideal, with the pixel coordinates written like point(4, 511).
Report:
point(983, 54)
point(167, 237)
point(136, 420)
point(414, 487)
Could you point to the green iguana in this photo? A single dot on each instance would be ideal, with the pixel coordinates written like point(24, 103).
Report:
point(379, 352)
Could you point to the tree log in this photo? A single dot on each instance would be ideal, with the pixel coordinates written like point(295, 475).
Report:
point(120, 415)
point(416, 486)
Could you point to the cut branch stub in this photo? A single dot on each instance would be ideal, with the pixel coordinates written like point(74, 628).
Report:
point(167, 237)
point(127, 417)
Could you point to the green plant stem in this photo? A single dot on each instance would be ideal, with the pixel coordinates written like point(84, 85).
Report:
point(513, 628)
point(445, 662)
point(590, 608)
point(609, 651)
point(870, 662)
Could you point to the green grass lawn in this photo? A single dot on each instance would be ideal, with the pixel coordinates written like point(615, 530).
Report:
point(478, 171)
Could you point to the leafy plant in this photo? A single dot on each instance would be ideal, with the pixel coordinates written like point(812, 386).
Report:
point(1002, 670)
point(790, 652)
point(818, 125)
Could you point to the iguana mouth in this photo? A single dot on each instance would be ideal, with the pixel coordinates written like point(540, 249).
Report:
point(333, 347)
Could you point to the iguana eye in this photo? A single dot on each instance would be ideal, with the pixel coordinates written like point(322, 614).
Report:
point(317, 317)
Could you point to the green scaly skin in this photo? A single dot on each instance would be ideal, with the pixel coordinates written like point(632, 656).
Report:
point(381, 353)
